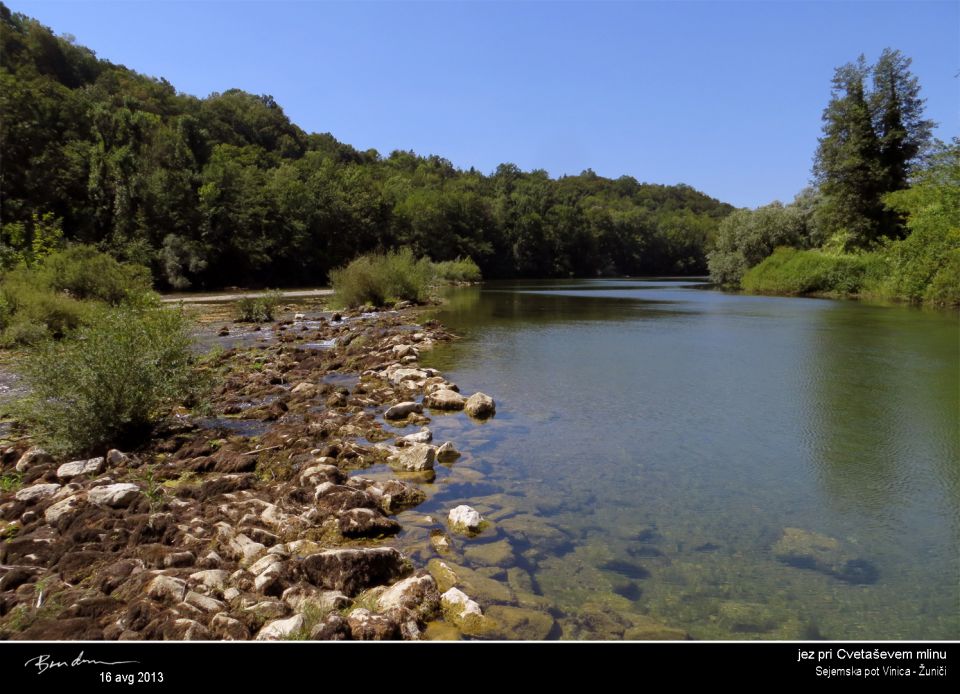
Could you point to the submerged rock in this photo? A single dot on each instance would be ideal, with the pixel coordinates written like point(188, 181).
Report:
point(521, 623)
point(804, 549)
point(447, 453)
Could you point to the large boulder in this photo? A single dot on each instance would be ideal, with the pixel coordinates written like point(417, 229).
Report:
point(37, 491)
point(353, 570)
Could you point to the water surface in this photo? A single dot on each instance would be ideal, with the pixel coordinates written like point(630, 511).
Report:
point(671, 433)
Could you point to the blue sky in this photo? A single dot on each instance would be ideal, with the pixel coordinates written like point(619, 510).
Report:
point(723, 96)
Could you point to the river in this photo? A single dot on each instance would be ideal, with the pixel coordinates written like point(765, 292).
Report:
point(673, 433)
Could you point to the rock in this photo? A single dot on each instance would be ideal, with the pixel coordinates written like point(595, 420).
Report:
point(521, 623)
point(33, 456)
point(422, 436)
point(480, 405)
point(214, 579)
point(402, 410)
point(186, 630)
point(299, 316)
point(440, 542)
point(366, 626)
point(281, 628)
point(333, 628)
point(114, 495)
point(648, 629)
point(305, 389)
point(265, 611)
point(37, 491)
point(94, 466)
point(117, 458)
point(398, 376)
point(263, 563)
point(804, 549)
point(445, 399)
point(464, 613)
point(353, 570)
point(228, 628)
point(417, 593)
point(441, 631)
point(167, 588)
point(464, 519)
point(64, 507)
point(499, 553)
point(415, 458)
point(447, 453)
point(745, 617)
point(394, 495)
point(203, 602)
point(175, 559)
point(366, 522)
point(245, 549)
point(231, 594)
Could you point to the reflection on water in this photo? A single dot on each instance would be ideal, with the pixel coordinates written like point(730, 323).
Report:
point(654, 441)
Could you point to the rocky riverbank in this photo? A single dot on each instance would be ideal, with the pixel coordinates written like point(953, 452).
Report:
point(253, 519)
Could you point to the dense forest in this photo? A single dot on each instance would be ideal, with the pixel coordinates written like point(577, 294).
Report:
point(225, 190)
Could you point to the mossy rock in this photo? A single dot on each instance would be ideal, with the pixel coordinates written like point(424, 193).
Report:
point(441, 631)
point(521, 623)
point(499, 553)
point(482, 589)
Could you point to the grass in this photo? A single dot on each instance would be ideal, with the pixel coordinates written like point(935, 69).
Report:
point(11, 481)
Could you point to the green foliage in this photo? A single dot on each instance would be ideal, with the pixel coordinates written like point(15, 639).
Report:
point(792, 271)
point(748, 236)
point(871, 141)
point(459, 270)
point(921, 267)
point(381, 278)
point(227, 191)
point(64, 290)
point(85, 273)
point(258, 309)
point(108, 383)
point(11, 481)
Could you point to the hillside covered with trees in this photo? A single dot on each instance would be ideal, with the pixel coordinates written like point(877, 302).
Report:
point(225, 190)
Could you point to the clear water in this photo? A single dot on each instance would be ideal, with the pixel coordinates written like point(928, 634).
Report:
point(671, 433)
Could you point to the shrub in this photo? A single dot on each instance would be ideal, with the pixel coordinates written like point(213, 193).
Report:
point(459, 270)
point(944, 288)
point(791, 271)
point(258, 309)
point(108, 382)
point(85, 273)
point(382, 278)
point(29, 302)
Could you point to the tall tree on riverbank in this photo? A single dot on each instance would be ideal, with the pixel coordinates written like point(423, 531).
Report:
point(871, 140)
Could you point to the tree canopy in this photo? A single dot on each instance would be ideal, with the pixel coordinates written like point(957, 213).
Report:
point(225, 190)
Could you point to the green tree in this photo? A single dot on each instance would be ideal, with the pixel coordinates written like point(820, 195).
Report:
point(847, 163)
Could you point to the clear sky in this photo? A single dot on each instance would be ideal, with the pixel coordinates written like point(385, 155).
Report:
point(723, 96)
